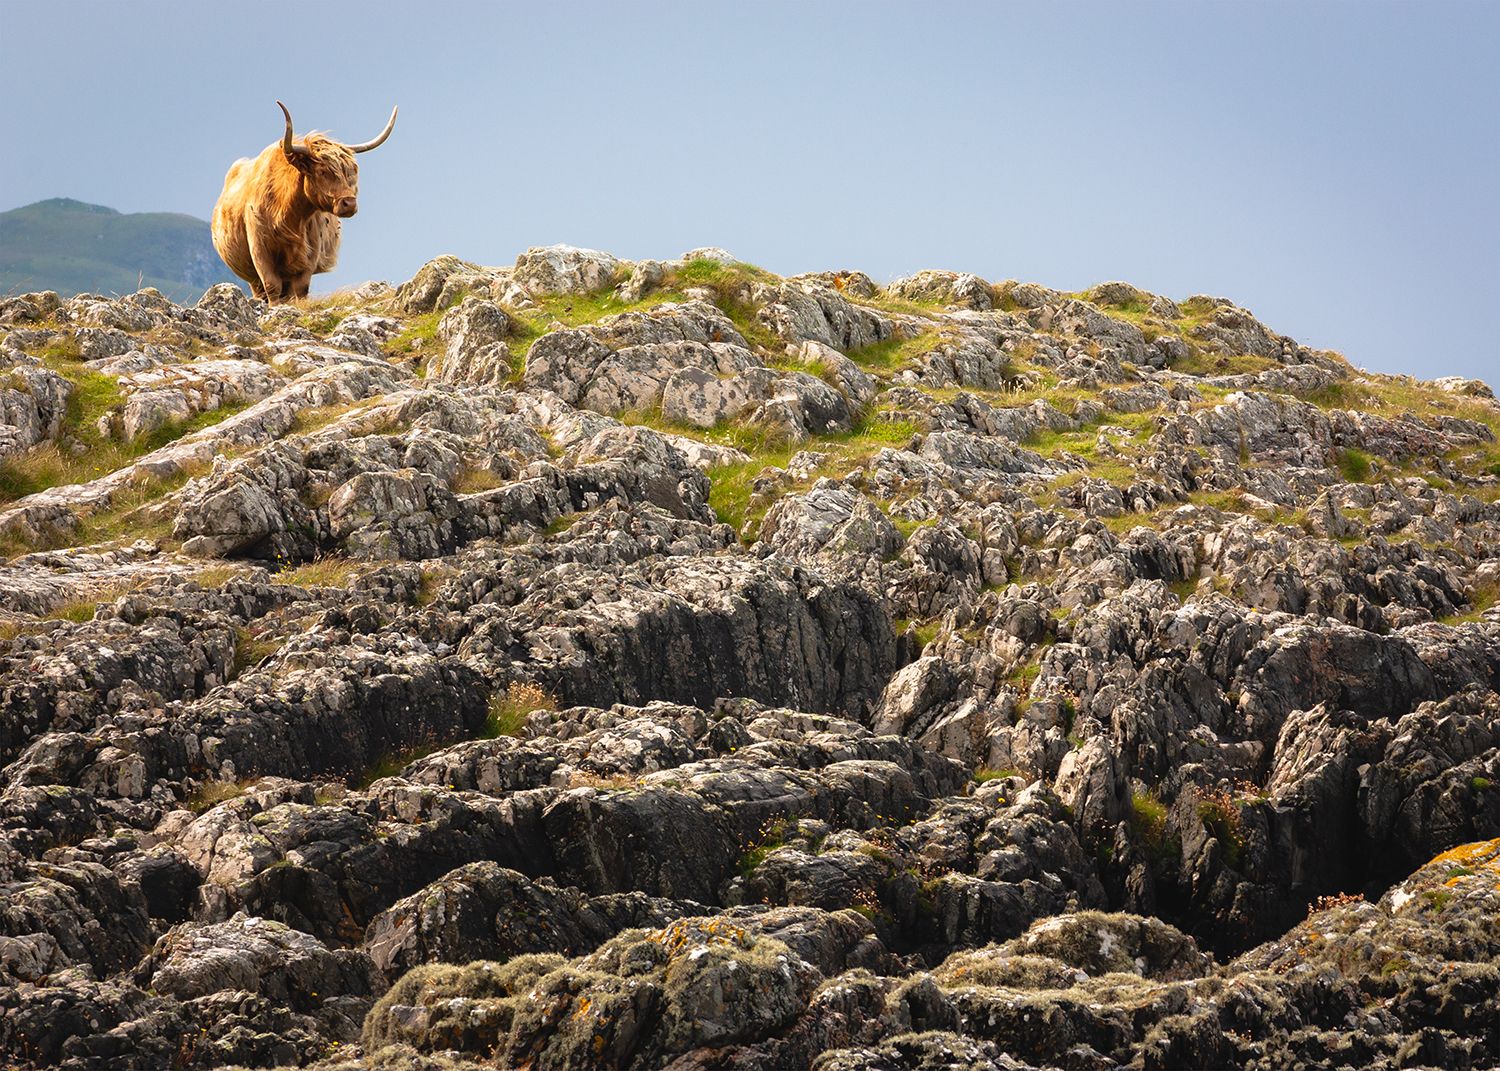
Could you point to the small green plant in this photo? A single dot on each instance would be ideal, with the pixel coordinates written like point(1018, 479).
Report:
point(772, 835)
point(1480, 784)
point(1201, 362)
point(429, 586)
point(75, 610)
point(561, 524)
point(391, 764)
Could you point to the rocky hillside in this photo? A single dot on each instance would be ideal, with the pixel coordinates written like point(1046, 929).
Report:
point(588, 664)
point(69, 246)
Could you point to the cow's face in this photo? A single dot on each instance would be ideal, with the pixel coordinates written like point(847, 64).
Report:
point(330, 179)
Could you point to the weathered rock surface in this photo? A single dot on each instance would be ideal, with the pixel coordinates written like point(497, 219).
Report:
point(586, 664)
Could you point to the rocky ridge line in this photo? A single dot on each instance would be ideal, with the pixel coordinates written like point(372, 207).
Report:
point(667, 664)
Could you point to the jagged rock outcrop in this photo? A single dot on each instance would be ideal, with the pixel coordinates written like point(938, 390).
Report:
point(595, 664)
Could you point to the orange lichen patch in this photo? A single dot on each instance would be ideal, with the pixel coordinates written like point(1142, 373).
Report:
point(1481, 853)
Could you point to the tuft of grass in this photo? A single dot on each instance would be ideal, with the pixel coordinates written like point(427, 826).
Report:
point(251, 650)
point(732, 488)
point(216, 576)
point(81, 610)
point(65, 348)
point(47, 465)
point(391, 764)
point(561, 524)
point(984, 774)
point(212, 793)
point(928, 632)
point(141, 512)
point(75, 610)
point(317, 314)
point(473, 480)
point(731, 285)
point(430, 585)
point(1148, 816)
point(321, 572)
point(320, 416)
point(1354, 465)
point(906, 525)
point(508, 709)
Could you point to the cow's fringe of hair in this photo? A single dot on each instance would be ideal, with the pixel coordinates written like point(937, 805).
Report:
point(286, 180)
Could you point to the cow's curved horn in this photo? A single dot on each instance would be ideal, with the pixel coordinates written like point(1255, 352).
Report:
point(286, 141)
point(367, 146)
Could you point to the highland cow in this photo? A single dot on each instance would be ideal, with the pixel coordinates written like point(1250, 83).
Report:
point(277, 222)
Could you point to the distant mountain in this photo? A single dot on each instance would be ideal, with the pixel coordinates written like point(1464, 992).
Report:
point(72, 247)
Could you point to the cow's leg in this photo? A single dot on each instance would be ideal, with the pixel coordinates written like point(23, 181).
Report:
point(260, 252)
point(298, 287)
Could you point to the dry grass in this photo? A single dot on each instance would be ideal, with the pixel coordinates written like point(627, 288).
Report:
point(473, 480)
point(212, 793)
point(216, 576)
point(508, 709)
point(321, 572)
point(320, 416)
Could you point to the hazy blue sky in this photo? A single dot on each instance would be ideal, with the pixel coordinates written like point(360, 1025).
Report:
point(1332, 167)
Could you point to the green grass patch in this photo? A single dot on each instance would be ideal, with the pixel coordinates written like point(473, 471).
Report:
point(561, 524)
point(48, 465)
point(890, 355)
point(417, 337)
point(1354, 465)
point(139, 512)
point(731, 487)
point(391, 764)
point(984, 774)
point(729, 283)
point(320, 416)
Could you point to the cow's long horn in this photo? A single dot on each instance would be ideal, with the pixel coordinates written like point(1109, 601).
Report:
point(286, 141)
point(367, 146)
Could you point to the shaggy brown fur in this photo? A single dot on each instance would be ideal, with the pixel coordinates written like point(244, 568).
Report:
point(276, 223)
